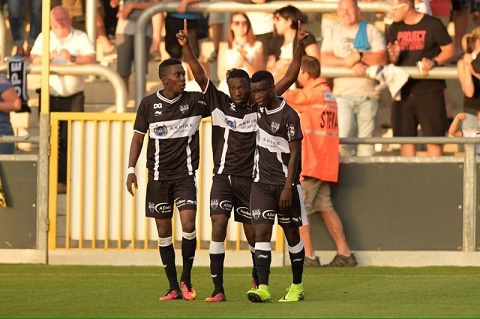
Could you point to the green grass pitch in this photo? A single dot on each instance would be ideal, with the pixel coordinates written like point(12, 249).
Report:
point(39, 291)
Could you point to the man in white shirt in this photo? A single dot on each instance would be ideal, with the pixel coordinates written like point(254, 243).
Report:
point(67, 46)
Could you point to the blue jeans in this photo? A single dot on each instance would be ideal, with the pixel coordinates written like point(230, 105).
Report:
point(15, 17)
point(356, 117)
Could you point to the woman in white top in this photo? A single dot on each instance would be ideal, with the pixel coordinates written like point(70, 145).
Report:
point(241, 51)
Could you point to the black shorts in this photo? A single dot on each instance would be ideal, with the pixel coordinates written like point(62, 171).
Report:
point(161, 195)
point(427, 109)
point(231, 192)
point(264, 205)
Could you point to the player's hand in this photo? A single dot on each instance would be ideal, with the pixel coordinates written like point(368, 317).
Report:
point(461, 116)
point(302, 35)
point(131, 180)
point(182, 35)
point(286, 198)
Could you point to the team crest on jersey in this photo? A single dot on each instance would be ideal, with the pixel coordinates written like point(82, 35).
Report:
point(214, 203)
point(256, 213)
point(230, 123)
point(275, 126)
point(184, 108)
point(290, 131)
point(151, 207)
point(232, 107)
point(160, 130)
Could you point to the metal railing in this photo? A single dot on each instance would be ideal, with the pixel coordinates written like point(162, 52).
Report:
point(87, 69)
point(223, 6)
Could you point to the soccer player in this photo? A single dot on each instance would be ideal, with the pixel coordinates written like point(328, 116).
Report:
point(233, 141)
point(276, 188)
point(171, 117)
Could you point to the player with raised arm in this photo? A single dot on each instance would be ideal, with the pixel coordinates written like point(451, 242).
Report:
point(234, 126)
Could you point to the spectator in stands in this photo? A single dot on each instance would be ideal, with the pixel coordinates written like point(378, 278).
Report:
point(354, 44)
point(9, 101)
point(320, 159)
point(262, 25)
point(284, 43)
point(15, 17)
point(241, 51)
point(469, 79)
point(128, 14)
point(174, 22)
point(76, 9)
point(215, 22)
point(67, 46)
point(455, 130)
point(416, 37)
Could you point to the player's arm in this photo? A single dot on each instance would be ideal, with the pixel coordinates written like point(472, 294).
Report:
point(286, 196)
point(291, 74)
point(197, 69)
point(135, 149)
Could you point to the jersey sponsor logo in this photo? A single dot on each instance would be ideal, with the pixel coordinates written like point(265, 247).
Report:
point(214, 203)
point(158, 113)
point(243, 211)
point(230, 123)
point(297, 219)
point(157, 106)
point(275, 126)
point(184, 108)
point(161, 130)
point(163, 208)
point(184, 127)
point(269, 214)
point(283, 220)
point(247, 124)
point(226, 204)
point(290, 131)
point(272, 143)
point(256, 213)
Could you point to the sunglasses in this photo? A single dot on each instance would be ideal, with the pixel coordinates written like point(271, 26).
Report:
point(237, 23)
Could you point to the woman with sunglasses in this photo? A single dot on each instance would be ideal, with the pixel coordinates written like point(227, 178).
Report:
point(241, 51)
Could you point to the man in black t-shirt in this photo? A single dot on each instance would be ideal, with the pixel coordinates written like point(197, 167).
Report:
point(276, 189)
point(234, 126)
point(414, 38)
point(171, 117)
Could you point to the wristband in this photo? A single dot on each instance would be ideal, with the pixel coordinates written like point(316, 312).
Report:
point(130, 170)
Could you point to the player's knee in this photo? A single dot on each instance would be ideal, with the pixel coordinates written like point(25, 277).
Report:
point(189, 235)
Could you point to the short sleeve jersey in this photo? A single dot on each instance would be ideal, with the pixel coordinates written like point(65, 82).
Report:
point(276, 128)
point(173, 140)
point(417, 41)
point(233, 134)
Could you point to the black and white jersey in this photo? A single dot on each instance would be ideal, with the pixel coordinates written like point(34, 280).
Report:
point(173, 143)
point(276, 128)
point(233, 134)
